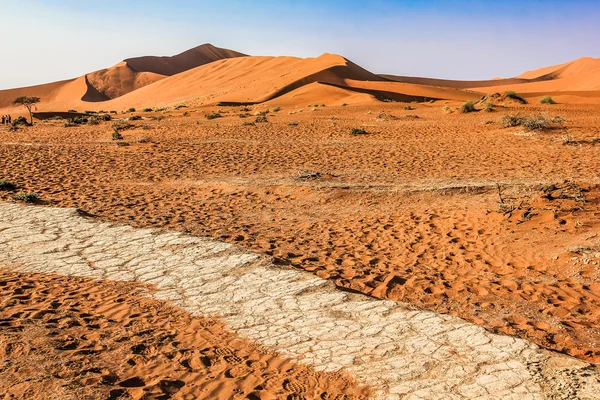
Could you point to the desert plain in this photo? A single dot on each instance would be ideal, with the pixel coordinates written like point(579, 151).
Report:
point(471, 201)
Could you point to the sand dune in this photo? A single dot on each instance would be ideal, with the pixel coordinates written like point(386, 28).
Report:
point(118, 80)
point(207, 75)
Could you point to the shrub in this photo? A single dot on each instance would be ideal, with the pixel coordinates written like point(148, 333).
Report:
point(533, 123)
point(94, 121)
point(90, 112)
point(358, 131)
point(144, 139)
point(447, 109)
point(185, 113)
point(116, 135)
point(261, 119)
point(213, 115)
point(408, 108)
point(244, 109)
point(248, 124)
point(547, 100)
point(488, 107)
point(344, 105)
point(135, 118)
point(131, 110)
point(160, 109)
point(121, 126)
point(106, 117)
point(20, 121)
point(147, 110)
point(277, 109)
point(72, 111)
point(26, 197)
point(244, 115)
point(513, 95)
point(180, 106)
point(6, 185)
point(69, 123)
point(113, 112)
point(467, 107)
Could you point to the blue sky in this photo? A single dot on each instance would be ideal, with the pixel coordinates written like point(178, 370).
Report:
point(48, 40)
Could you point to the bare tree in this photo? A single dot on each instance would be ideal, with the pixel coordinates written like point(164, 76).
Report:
point(28, 103)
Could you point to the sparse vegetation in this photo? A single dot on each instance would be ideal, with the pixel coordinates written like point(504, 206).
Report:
point(488, 107)
point(447, 109)
point(90, 112)
point(74, 111)
point(131, 110)
point(213, 115)
point(547, 100)
point(344, 104)
point(94, 121)
point(27, 102)
point(277, 109)
point(244, 115)
point(116, 135)
point(122, 126)
point(6, 185)
point(358, 131)
point(530, 122)
point(513, 95)
point(261, 119)
point(248, 124)
point(409, 108)
point(468, 107)
point(135, 118)
point(180, 106)
point(144, 139)
point(26, 197)
point(147, 110)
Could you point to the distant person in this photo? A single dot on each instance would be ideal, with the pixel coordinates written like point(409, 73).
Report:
point(8, 119)
point(3, 119)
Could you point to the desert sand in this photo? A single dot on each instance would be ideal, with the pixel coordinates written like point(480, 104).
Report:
point(453, 213)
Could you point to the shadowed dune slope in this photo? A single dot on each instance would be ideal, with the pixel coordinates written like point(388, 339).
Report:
point(250, 80)
point(118, 80)
point(135, 73)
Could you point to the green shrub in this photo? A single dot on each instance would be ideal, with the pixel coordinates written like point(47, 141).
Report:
point(90, 112)
point(94, 121)
point(467, 107)
point(358, 131)
point(113, 112)
point(213, 115)
point(6, 185)
point(106, 117)
point(513, 95)
point(277, 109)
point(344, 105)
point(244, 109)
point(116, 135)
point(488, 107)
point(20, 121)
point(72, 111)
point(408, 108)
point(135, 118)
point(131, 110)
point(261, 119)
point(147, 110)
point(26, 197)
point(547, 100)
point(244, 115)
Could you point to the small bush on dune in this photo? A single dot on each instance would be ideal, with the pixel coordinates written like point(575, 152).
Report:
point(213, 115)
point(147, 110)
point(447, 109)
point(6, 185)
point(261, 119)
point(90, 112)
point(131, 110)
point(94, 121)
point(277, 109)
point(547, 100)
point(468, 107)
point(116, 135)
point(72, 111)
point(488, 107)
point(113, 112)
point(513, 95)
point(26, 197)
point(408, 108)
point(358, 131)
point(135, 118)
point(533, 122)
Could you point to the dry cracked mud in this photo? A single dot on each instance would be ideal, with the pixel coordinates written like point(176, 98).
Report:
point(398, 350)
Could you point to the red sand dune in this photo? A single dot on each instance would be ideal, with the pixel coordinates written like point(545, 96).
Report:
point(118, 80)
point(209, 75)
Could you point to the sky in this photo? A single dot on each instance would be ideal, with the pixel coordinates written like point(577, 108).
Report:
point(49, 40)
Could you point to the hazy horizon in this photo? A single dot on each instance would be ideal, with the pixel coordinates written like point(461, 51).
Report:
point(437, 39)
